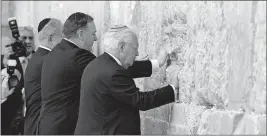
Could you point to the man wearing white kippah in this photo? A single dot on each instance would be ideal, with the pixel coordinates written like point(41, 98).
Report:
point(110, 101)
point(49, 34)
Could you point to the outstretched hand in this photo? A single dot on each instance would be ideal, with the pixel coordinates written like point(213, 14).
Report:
point(162, 57)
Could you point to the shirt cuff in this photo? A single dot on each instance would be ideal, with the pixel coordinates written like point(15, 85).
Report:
point(155, 65)
point(176, 95)
point(3, 100)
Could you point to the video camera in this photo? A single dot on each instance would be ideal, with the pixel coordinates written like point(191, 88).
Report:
point(19, 49)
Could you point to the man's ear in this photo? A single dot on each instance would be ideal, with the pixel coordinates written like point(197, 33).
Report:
point(121, 45)
point(50, 39)
point(80, 33)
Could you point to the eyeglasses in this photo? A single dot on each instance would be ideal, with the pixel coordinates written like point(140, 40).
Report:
point(27, 37)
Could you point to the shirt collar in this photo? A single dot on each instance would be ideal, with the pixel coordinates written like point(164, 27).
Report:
point(45, 48)
point(114, 58)
point(71, 41)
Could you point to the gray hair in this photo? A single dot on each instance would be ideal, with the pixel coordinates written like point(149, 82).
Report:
point(53, 27)
point(115, 35)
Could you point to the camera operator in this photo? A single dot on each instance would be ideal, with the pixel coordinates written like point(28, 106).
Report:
point(12, 100)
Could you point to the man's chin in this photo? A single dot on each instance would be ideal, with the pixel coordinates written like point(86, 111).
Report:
point(28, 52)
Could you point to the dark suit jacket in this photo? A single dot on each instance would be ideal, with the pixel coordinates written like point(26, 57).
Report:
point(110, 101)
point(2, 64)
point(32, 85)
point(61, 78)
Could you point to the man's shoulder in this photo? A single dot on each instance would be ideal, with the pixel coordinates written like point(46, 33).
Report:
point(82, 52)
point(107, 64)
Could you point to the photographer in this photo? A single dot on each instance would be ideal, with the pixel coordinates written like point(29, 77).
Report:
point(26, 35)
point(12, 100)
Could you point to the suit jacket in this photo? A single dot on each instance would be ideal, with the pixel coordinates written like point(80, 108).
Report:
point(110, 101)
point(32, 85)
point(61, 77)
point(2, 64)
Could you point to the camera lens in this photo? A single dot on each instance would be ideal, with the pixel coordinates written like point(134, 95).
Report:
point(13, 81)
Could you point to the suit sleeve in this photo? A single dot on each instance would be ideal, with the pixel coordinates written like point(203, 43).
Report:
point(2, 62)
point(123, 89)
point(140, 69)
point(82, 59)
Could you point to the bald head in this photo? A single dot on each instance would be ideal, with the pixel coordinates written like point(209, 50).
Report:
point(50, 32)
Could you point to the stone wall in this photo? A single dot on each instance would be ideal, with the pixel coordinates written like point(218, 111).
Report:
point(219, 49)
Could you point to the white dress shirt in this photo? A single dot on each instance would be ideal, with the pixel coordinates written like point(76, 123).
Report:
point(45, 48)
point(70, 41)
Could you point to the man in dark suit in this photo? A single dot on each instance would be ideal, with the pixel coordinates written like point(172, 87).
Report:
point(49, 34)
point(110, 101)
point(62, 71)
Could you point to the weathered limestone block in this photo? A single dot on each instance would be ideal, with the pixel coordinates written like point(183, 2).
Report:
point(258, 93)
point(179, 130)
point(238, 16)
point(219, 122)
point(186, 114)
point(208, 34)
point(262, 125)
point(207, 97)
point(252, 124)
point(176, 36)
point(149, 37)
point(153, 126)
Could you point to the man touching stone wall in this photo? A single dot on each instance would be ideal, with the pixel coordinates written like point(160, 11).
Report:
point(218, 47)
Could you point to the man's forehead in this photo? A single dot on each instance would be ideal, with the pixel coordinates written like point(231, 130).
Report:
point(91, 26)
point(133, 40)
point(26, 32)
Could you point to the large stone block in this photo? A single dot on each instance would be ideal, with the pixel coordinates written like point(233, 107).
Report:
point(207, 97)
point(152, 126)
point(163, 112)
point(219, 122)
point(257, 98)
point(239, 17)
point(186, 114)
point(147, 126)
point(252, 124)
point(208, 38)
point(260, 15)
point(179, 130)
point(262, 125)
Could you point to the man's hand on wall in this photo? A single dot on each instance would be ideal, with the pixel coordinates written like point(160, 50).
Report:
point(175, 80)
point(162, 57)
point(175, 85)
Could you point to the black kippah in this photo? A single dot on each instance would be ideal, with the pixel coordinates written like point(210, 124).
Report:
point(43, 23)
